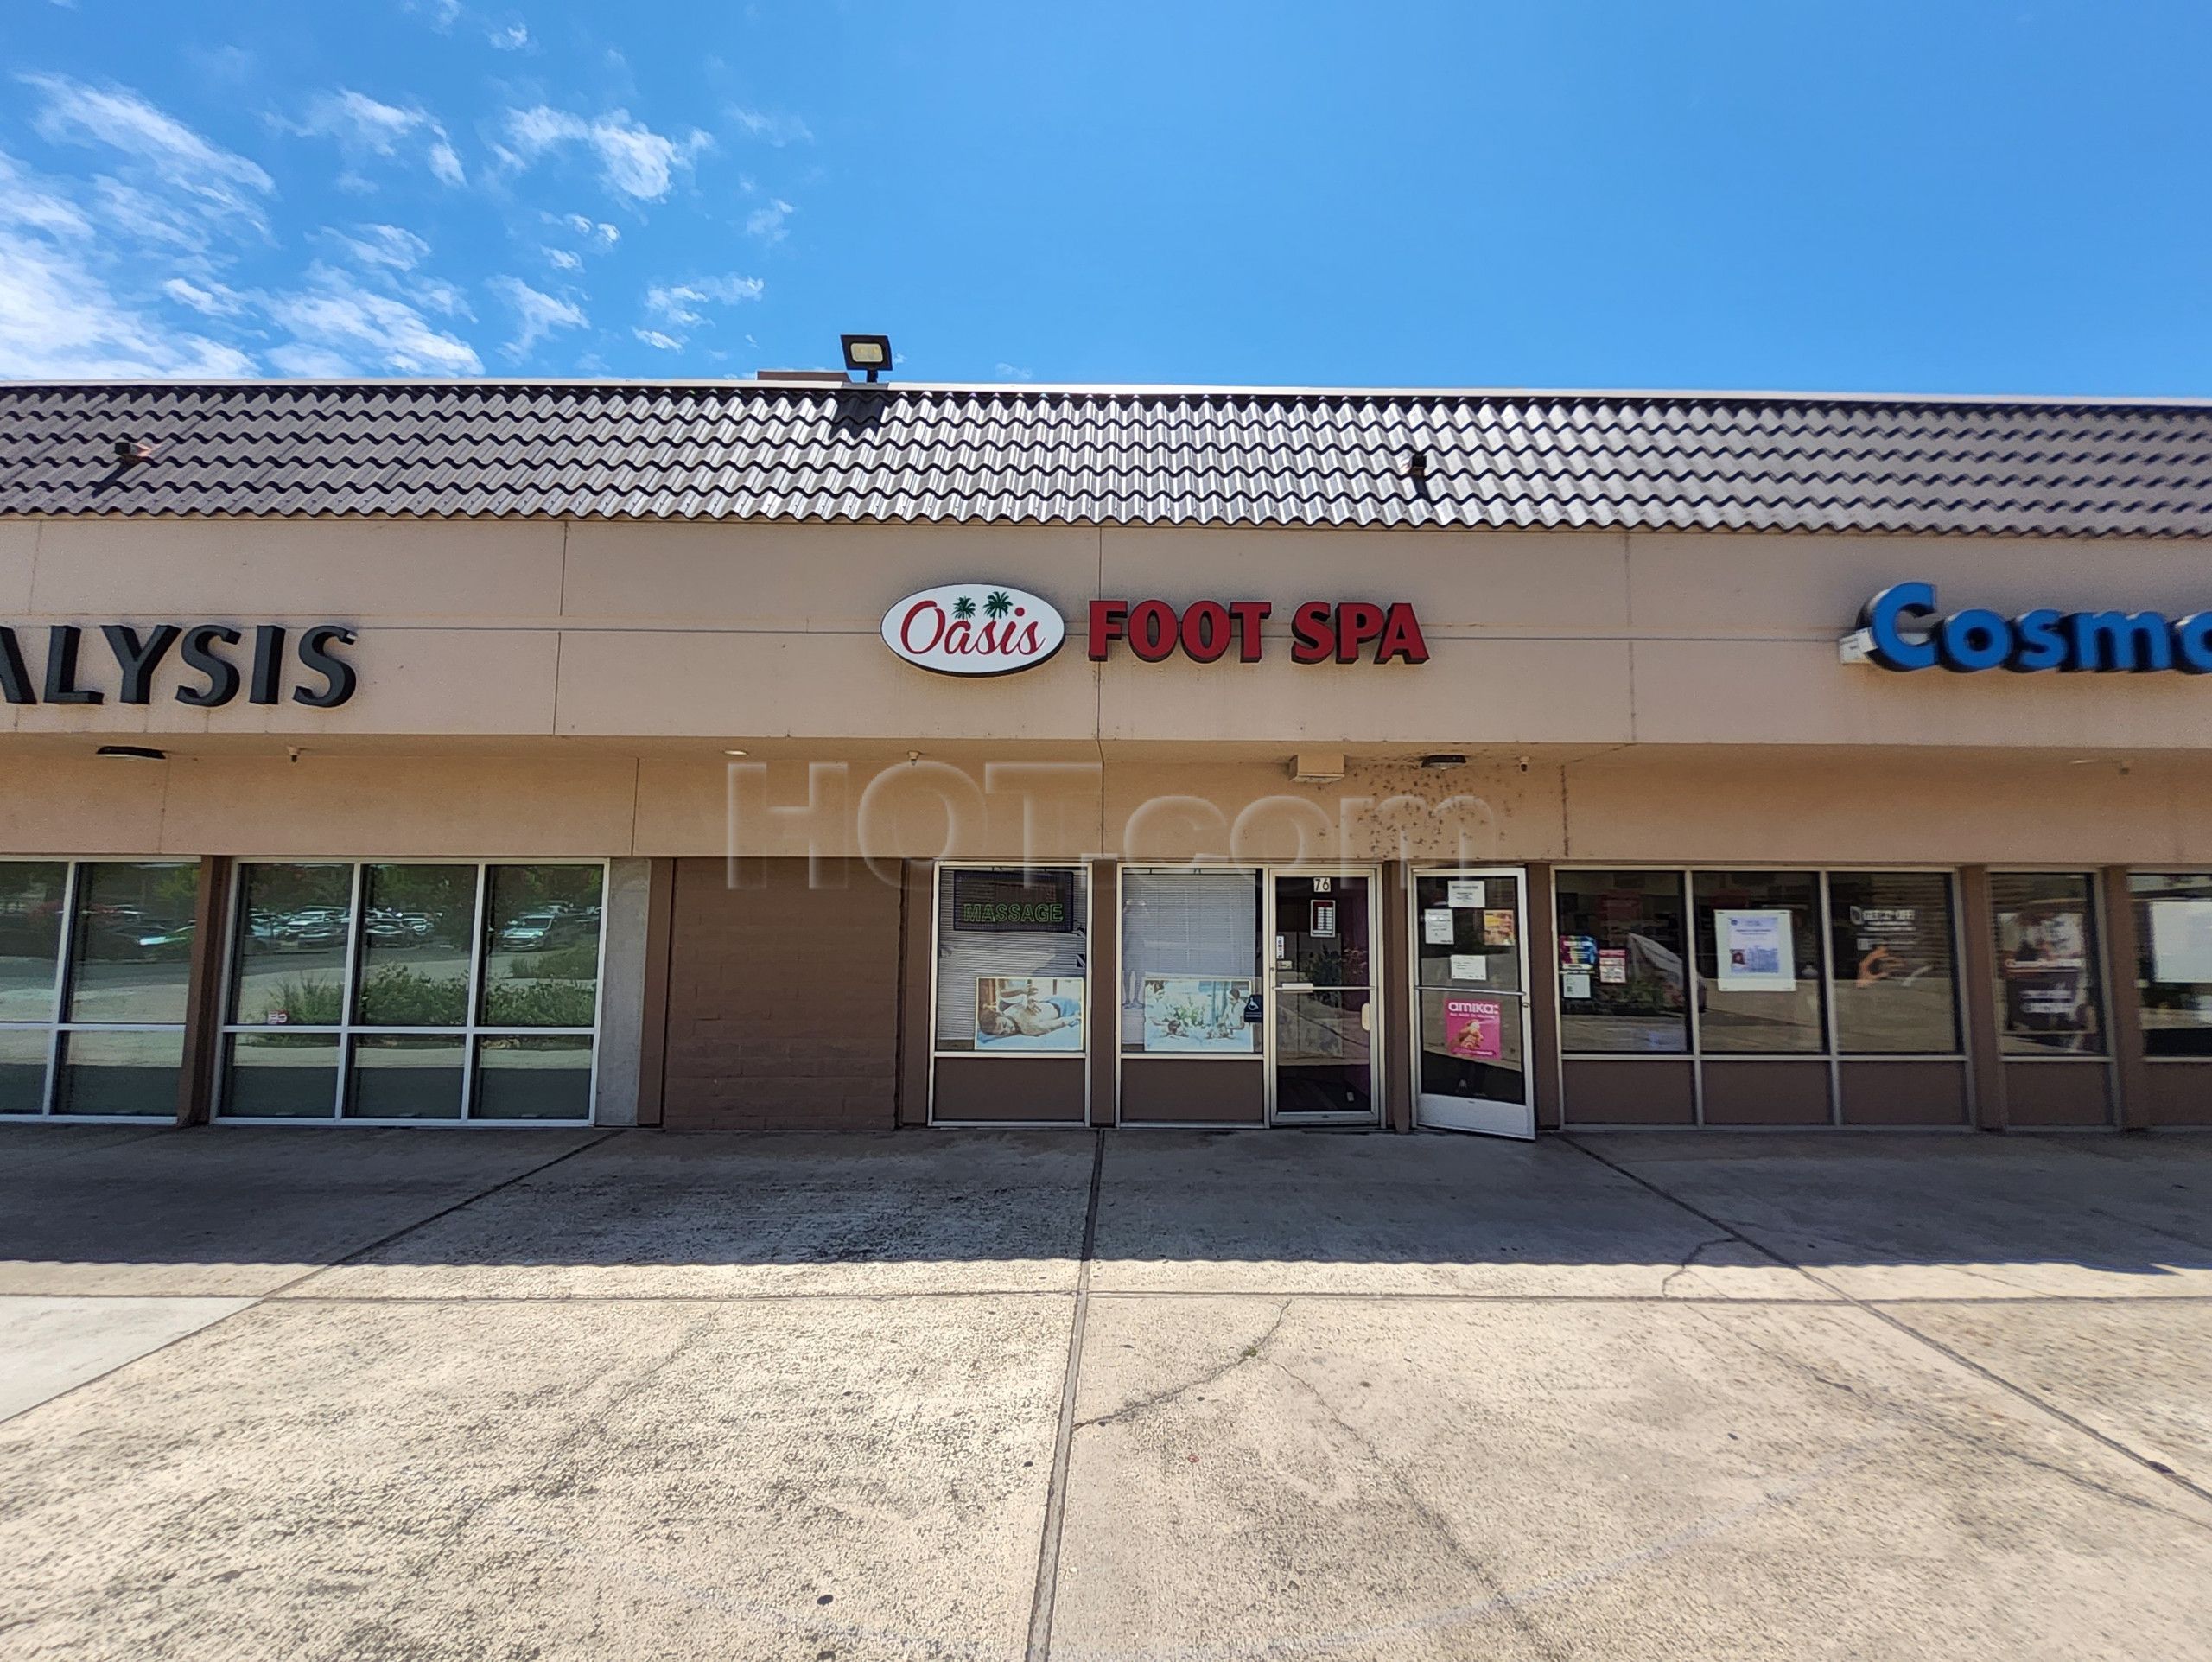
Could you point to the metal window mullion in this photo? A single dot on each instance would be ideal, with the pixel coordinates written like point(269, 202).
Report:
point(64, 954)
point(1833, 1040)
point(1693, 982)
point(350, 977)
point(479, 955)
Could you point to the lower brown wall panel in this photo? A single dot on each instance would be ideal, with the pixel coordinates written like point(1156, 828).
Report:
point(2057, 1094)
point(2177, 1093)
point(1904, 1094)
point(1188, 1091)
point(1627, 1093)
point(1766, 1093)
point(1025, 1088)
point(783, 1010)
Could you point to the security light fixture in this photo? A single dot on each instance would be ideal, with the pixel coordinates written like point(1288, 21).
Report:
point(1437, 762)
point(132, 752)
point(869, 352)
point(733, 753)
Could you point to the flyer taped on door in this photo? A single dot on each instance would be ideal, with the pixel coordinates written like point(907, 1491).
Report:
point(1470, 966)
point(1465, 893)
point(1754, 951)
point(1436, 926)
point(1474, 1029)
point(1500, 927)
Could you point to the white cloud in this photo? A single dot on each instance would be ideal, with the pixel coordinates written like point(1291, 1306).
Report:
point(60, 320)
point(632, 158)
point(337, 319)
point(363, 127)
point(767, 223)
point(1012, 372)
point(661, 342)
point(561, 260)
point(24, 201)
point(777, 129)
point(210, 300)
point(597, 229)
point(388, 246)
point(537, 315)
point(679, 302)
point(168, 151)
point(513, 38)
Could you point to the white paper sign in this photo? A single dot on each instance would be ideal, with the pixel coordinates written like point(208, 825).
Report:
point(2181, 941)
point(1464, 891)
point(1470, 966)
point(1754, 951)
point(1574, 983)
point(1436, 926)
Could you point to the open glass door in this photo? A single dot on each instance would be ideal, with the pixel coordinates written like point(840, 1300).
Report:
point(1322, 992)
point(1470, 1005)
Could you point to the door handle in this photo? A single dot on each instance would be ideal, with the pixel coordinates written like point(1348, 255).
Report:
point(1293, 986)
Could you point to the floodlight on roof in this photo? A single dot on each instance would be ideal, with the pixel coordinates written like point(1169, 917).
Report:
point(871, 353)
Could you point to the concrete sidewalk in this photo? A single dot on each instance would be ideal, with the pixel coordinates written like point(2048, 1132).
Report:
point(344, 1394)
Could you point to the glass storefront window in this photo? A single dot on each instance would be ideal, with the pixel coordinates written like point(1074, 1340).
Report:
point(1190, 964)
point(541, 964)
point(1890, 974)
point(1011, 960)
point(1759, 961)
point(95, 962)
point(32, 893)
point(406, 936)
point(1620, 962)
point(2050, 1000)
point(417, 925)
point(131, 950)
point(2173, 965)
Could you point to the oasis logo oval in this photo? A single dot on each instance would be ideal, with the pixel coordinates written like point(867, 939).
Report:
point(973, 628)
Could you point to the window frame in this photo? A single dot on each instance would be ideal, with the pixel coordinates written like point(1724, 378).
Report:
point(58, 1024)
point(2142, 948)
point(469, 1033)
point(1830, 1049)
point(2106, 1055)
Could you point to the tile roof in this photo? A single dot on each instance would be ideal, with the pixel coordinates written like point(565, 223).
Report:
point(1119, 456)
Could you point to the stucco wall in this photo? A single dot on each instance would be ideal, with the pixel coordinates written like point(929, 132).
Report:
point(628, 634)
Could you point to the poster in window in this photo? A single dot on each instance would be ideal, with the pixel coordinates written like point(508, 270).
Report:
point(2046, 970)
point(1474, 1029)
point(1436, 926)
point(1213, 1014)
point(1754, 951)
point(1612, 966)
point(1578, 951)
point(1028, 1012)
point(1500, 927)
point(1470, 966)
point(1574, 983)
point(1040, 902)
point(1465, 893)
point(2181, 941)
point(1325, 919)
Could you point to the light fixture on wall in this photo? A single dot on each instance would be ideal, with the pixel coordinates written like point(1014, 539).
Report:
point(1436, 761)
point(132, 752)
point(733, 753)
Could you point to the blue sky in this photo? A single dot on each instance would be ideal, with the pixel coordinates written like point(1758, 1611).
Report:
point(1935, 197)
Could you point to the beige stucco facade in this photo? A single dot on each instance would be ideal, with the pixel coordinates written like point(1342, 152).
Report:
point(550, 688)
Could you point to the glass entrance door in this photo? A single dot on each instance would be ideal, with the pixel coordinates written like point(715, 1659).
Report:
point(1322, 990)
point(1471, 1003)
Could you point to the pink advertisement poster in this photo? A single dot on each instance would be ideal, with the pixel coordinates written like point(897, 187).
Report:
point(1474, 1029)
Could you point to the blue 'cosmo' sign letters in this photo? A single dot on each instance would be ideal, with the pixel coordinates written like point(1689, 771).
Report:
point(1901, 629)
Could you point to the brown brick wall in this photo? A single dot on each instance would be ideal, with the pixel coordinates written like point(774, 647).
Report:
point(783, 1000)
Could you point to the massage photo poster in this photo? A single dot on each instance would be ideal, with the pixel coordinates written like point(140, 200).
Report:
point(1754, 951)
point(1029, 1012)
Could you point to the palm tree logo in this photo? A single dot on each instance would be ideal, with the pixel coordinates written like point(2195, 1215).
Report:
point(963, 608)
point(998, 603)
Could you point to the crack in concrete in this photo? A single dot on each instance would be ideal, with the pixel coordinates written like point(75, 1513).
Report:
point(1501, 1598)
point(1251, 1352)
point(1689, 1260)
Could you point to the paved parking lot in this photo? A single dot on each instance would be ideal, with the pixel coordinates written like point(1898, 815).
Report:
point(400, 1394)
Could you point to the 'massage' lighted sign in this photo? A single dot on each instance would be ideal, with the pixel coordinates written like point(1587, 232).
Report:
point(1901, 629)
point(973, 628)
